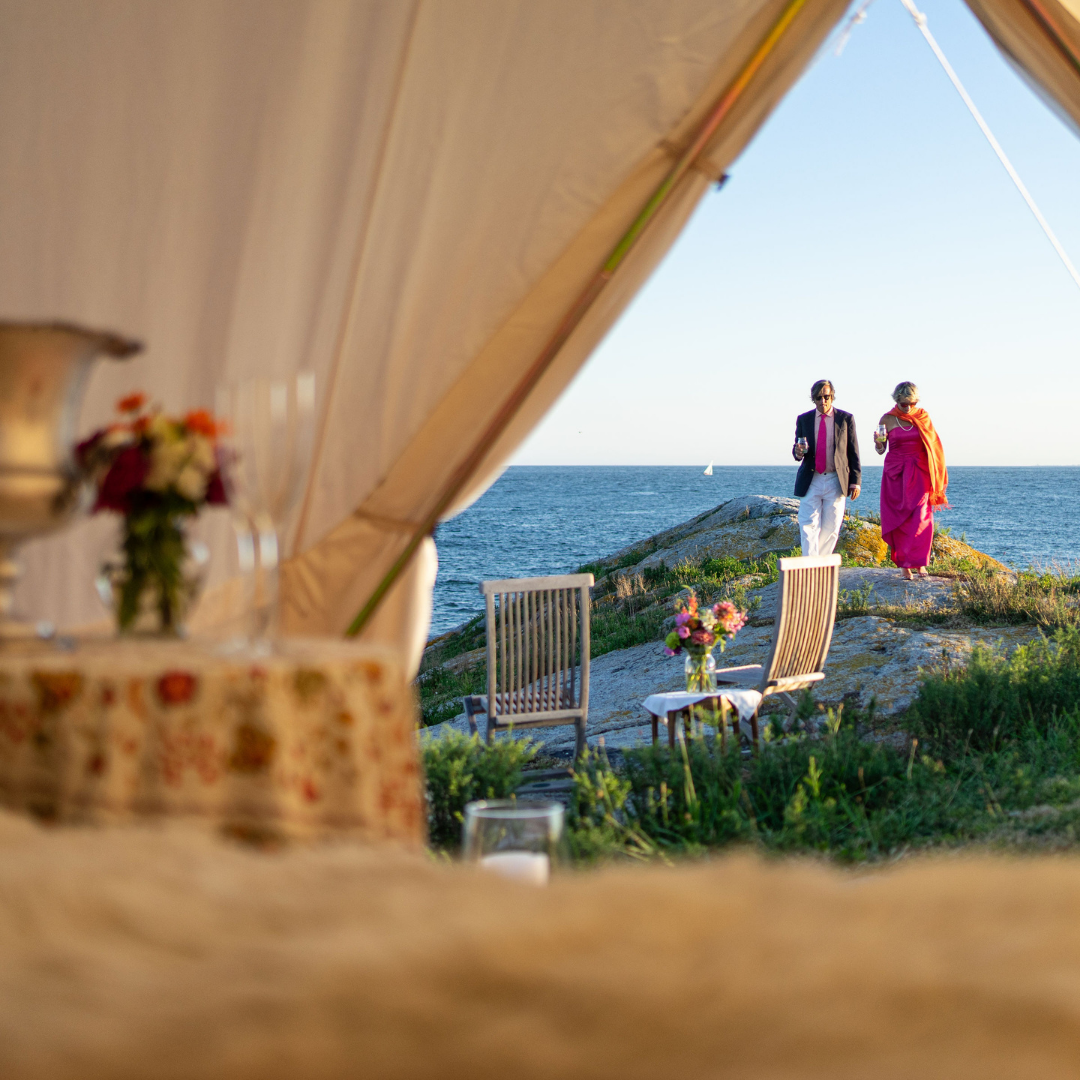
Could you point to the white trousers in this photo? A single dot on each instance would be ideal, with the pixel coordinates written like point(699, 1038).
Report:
point(821, 513)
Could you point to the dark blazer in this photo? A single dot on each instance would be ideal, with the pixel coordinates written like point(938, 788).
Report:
point(845, 452)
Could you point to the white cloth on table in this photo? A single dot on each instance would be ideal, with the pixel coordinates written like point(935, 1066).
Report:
point(745, 702)
point(821, 513)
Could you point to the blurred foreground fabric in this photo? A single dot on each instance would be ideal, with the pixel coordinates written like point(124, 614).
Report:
point(136, 953)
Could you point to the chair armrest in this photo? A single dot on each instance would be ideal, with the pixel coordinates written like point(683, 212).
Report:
point(794, 682)
point(738, 674)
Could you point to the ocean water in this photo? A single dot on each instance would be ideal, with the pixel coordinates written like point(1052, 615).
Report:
point(551, 519)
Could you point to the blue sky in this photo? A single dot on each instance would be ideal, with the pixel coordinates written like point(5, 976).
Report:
point(868, 235)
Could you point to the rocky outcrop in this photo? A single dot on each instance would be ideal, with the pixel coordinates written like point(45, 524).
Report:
point(883, 637)
point(751, 526)
point(870, 657)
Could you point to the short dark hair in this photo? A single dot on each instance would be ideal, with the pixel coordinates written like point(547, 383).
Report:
point(819, 386)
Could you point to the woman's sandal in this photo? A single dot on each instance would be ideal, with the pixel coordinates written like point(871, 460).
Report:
point(923, 573)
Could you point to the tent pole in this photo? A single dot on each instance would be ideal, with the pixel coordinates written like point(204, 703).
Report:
point(578, 310)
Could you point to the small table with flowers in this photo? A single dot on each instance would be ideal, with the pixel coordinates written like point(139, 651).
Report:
point(668, 708)
point(316, 739)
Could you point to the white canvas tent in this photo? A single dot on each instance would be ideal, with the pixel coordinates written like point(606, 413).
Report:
point(414, 198)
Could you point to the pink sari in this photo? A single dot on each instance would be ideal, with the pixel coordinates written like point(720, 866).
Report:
point(907, 520)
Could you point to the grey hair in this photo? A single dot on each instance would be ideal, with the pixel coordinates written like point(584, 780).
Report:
point(905, 391)
point(819, 386)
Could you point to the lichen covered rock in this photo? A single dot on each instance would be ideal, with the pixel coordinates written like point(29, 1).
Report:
point(751, 526)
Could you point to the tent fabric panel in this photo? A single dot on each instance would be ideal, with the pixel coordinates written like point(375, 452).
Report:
point(460, 416)
point(196, 175)
point(349, 187)
point(1041, 38)
point(492, 168)
point(381, 192)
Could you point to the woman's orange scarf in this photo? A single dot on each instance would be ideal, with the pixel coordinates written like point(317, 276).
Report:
point(935, 455)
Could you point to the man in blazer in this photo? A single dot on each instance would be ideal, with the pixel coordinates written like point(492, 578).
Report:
point(829, 469)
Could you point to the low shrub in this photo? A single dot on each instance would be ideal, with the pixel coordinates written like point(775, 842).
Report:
point(690, 798)
point(995, 699)
point(841, 794)
point(459, 769)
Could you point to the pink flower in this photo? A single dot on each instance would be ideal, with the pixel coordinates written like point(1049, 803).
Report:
point(684, 631)
point(668, 652)
point(682, 618)
point(701, 637)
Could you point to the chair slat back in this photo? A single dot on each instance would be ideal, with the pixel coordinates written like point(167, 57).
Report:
point(537, 643)
point(804, 621)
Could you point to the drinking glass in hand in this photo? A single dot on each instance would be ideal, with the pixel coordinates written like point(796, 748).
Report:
point(804, 446)
point(519, 840)
point(881, 435)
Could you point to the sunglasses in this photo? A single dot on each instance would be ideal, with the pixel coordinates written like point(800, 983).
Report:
point(824, 397)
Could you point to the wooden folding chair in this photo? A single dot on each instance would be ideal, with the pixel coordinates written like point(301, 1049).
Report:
point(537, 655)
point(802, 633)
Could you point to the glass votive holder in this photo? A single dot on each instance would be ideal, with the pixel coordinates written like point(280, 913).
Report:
point(521, 840)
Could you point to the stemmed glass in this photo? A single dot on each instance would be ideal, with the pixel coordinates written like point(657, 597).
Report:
point(266, 445)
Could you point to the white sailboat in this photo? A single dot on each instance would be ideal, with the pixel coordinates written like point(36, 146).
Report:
point(708, 469)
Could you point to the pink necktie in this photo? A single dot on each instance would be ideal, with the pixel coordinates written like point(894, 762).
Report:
point(819, 449)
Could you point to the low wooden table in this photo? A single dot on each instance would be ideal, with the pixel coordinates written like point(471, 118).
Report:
point(671, 705)
point(317, 739)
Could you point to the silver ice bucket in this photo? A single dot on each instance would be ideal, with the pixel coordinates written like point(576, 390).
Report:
point(43, 372)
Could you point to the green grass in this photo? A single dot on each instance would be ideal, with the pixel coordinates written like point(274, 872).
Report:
point(996, 700)
point(1046, 597)
point(991, 757)
point(994, 759)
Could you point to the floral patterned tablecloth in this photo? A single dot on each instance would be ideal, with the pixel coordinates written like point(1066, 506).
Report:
point(315, 739)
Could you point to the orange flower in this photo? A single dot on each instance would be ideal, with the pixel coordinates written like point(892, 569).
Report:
point(201, 422)
point(132, 403)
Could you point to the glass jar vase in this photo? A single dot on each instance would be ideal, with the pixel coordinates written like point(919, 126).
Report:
point(700, 673)
point(151, 592)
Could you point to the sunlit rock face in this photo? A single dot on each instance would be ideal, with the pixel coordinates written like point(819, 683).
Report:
point(751, 526)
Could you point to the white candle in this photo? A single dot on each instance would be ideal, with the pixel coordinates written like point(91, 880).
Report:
point(533, 867)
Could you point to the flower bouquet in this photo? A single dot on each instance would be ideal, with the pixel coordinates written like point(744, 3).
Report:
point(157, 471)
point(697, 632)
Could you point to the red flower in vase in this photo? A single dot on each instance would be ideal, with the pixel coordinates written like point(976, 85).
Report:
point(125, 476)
point(215, 490)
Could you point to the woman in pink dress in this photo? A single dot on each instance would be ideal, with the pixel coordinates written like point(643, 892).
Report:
point(913, 481)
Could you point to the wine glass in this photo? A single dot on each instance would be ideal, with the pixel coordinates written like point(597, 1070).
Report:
point(266, 445)
point(519, 840)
